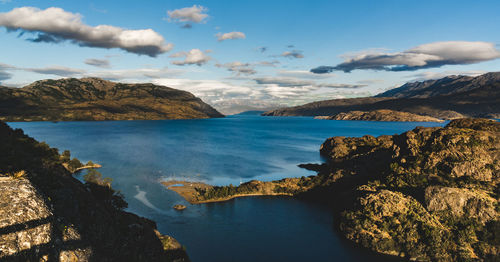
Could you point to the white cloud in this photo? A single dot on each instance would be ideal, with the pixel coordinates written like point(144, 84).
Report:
point(194, 14)
point(137, 75)
point(230, 35)
point(284, 81)
point(55, 25)
point(430, 55)
point(193, 57)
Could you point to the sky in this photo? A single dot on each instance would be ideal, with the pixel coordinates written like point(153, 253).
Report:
point(250, 55)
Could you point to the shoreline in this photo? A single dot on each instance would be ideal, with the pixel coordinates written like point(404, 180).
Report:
point(74, 171)
point(190, 191)
point(241, 195)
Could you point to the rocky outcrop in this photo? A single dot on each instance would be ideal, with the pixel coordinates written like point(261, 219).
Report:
point(477, 204)
point(380, 115)
point(48, 215)
point(27, 223)
point(96, 99)
point(447, 98)
point(427, 194)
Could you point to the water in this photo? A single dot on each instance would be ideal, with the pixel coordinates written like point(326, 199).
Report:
point(139, 154)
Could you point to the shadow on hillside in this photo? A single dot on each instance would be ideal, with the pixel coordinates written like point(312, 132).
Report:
point(49, 251)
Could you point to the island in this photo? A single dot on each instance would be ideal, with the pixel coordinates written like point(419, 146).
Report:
point(71, 99)
point(381, 115)
point(447, 98)
point(429, 194)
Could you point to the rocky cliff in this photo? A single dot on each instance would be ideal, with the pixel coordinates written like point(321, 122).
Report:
point(427, 194)
point(447, 98)
point(97, 99)
point(47, 215)
point(380, 115)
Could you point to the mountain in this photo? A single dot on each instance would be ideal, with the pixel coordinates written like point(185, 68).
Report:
point(96, 99)
point(250, 113)
point(444, 86)
point(446, 98)
point(48, 215)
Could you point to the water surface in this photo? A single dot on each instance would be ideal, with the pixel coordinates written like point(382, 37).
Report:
point(139, 154)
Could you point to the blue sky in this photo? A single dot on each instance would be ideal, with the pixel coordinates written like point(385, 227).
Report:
point(361, 47)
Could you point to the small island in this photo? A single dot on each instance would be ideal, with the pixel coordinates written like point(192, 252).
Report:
point(385, 115)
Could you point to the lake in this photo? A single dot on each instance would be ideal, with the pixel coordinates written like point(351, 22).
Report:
point(139, 154)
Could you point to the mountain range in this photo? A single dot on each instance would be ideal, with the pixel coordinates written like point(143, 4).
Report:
point(97, 99)
point(446, 98)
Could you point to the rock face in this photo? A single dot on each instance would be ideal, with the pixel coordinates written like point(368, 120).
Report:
point(96, 99)
point(429, 194)
point(381, 115)
point(447, 98)
point(47, 215)
point(28, 223)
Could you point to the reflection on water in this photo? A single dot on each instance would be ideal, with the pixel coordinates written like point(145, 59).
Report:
point(139, 154)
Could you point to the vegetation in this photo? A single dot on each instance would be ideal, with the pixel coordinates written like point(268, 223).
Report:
point(218, 192)
point(102, 190)
point(427, 194)
point(90, 215)
point(96, 99)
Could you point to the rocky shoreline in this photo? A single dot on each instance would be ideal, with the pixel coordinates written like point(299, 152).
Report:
point(385, 115)
point(429, 194)
point(48, 215)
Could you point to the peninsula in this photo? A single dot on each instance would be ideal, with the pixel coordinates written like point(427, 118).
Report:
point(381, 115)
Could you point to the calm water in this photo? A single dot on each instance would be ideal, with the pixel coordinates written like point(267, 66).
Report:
point(139, 154)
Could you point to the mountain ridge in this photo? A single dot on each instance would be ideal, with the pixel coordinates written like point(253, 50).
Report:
point(445, 98)
point(97, 99)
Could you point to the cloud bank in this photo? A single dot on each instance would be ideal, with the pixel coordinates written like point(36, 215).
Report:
point(230, 35)
point(430, 55)
point(193, 57)
point(56, 25)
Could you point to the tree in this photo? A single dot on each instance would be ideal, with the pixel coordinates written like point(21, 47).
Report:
point(66, 156)
point(74, 164)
